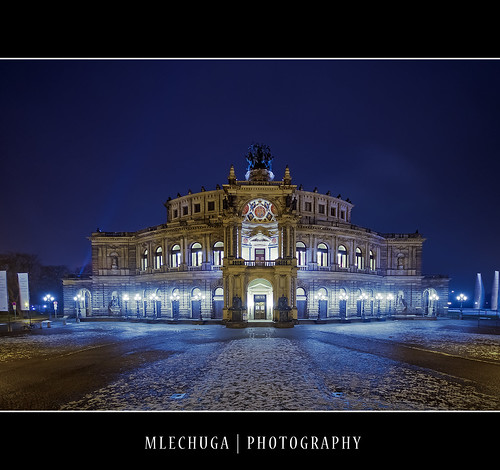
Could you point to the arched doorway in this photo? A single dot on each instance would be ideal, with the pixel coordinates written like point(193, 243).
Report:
point(218, 303)
point(322, 296)
point(83, 303)
point(175, 297)
point(301, 303)
point(196, 297)
point(429, 301)
point(260, 300)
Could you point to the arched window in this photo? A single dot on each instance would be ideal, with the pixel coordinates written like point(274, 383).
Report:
point(218, 253)
point(373, 265)
point(322, 255)
point(158, 257)
point(175, 256)
point(359, 259)
point(300, 253)
point(342, 256)
point(144, 260)
point(196, 254)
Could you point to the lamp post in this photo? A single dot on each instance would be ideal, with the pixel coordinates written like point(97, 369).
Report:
point(461, 298)
point(154, 298)
point(320, 296)
point(126, 299)
point(363, 298)
point(49, 298)
point(378, 298)
point(77, 300)
point(390, 298)
point(434, 299)
point(343, 297)
point(137, 299)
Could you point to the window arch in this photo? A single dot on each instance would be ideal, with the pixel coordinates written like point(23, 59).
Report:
point(218, 253)
point(300, 253)
point(175, 256)
point(342, 256)
point(196, 254)
point(144, 260)
point(322, 255)
point(158, 257)
point(359, 259)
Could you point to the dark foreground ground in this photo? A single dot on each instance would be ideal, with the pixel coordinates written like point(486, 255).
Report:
point(314, 372)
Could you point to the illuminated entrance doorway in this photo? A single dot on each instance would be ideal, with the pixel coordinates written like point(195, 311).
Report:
point(260, 300)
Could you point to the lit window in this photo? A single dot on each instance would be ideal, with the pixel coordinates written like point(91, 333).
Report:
point(342, 256)
point(218, 253)
point(144, 260)
point(359, 259)
point(322, 255)
point(158, 257)
point(372, 261)
point(196, 255)
point(300, 253)
point(175, 256)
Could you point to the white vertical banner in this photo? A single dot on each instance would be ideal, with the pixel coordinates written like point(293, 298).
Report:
point(4, 296)
point(24, 291)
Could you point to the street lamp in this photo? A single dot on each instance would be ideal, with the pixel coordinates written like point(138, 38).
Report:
point(390, 298)
point(461, 298)
point(126, 299)
point(49, 298)
point(137, 299)
point(154, 298)
point(343, 298)
point(77, 300)
point(378, 298)
point(434, 299)
point(363, 297)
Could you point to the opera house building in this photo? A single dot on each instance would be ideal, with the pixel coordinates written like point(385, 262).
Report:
point(256, 251)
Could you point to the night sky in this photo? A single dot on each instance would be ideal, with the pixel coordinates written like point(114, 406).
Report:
point(414, 144)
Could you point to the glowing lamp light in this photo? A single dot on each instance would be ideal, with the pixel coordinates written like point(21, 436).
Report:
point(343, 296)
point(126, 297)
point(461, 298)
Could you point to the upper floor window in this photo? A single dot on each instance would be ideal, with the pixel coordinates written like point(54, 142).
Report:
point(218, 253)
point(322, 255)
point(158, 257)
point(359, 259)
point(333, 211)
point(196, 254)
point(211, 205)
point(300, 253)
point(175, 256)
point(321, 208)
point(342, 256)
point(144, 260)
point(372, 261)
point(197, 207)
point(308, 207)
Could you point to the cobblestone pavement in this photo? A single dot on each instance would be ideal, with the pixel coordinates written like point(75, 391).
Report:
point(210, 367)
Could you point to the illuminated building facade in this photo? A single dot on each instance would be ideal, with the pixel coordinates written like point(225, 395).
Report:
point(256, 250)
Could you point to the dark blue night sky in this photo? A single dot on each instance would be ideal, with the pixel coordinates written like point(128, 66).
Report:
point(414, 144)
